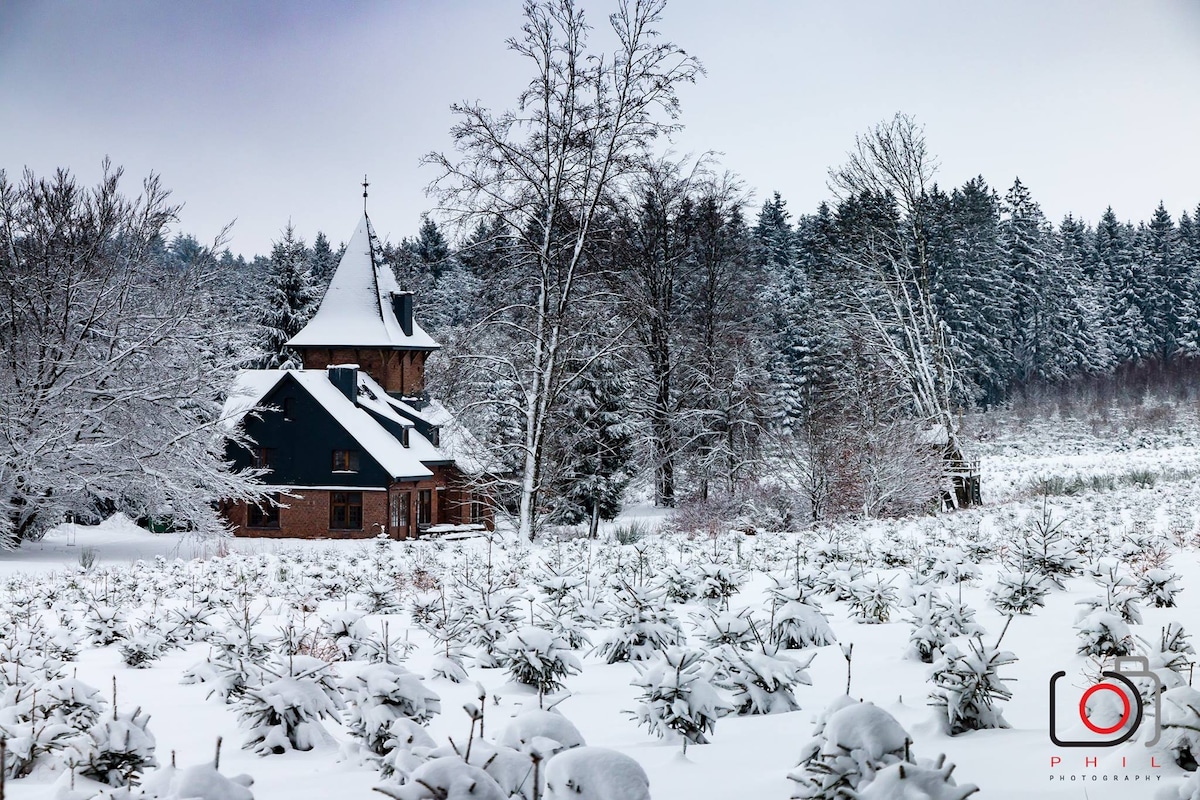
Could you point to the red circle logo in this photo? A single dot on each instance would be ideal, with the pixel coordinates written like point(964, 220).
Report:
point(1126, 714)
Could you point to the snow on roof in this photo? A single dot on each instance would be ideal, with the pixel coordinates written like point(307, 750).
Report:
point(457, 443)
point(356, 310)
point(251, 386)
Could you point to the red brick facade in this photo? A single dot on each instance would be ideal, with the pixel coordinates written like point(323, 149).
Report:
point(396, 511)
point(399, 372)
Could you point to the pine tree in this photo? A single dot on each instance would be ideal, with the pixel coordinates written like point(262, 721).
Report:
point(1085, 332)
point(322, 262)
point(430, 248)
point(289, 304)
point(1047, 344)
point(1170, 308)
point(972, 288)
point(598, 468)
point(787, 293)
point(1125, 288)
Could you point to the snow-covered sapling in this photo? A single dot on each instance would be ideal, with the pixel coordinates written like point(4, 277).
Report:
point(595, 773)
point(679, 582)
point(285, 713)
point(117, 749)
point(532, 725)
point(1045, 549)
point(872, 601)
point(1103, 634)
point(1019, 592)
point(928, 635)
point(644, 626)
point(679, 696)
point(797, 620)
point(105, 625)
point(851, 742)
point(906, 781)
point(1158, 587)
point(718, 583)
point(539, 659)
point(379, 695)
point(968, 687)
point(1180, 726)
point(446, 778)
point(760, 679)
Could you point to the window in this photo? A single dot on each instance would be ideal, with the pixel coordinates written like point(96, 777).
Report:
point(264, 516)
point(424, 507)
point(476, 512)
point(435, 436)
point(345, 511)
point(263, 457)
point(404, 436)
point(345, 461)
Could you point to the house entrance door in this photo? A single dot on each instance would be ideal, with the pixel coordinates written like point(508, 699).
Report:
point(398, 514)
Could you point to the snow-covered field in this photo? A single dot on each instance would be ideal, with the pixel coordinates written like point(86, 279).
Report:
point(245, 621)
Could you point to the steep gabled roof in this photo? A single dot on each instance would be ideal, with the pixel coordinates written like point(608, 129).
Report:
point(252, 386)
point(357, 309)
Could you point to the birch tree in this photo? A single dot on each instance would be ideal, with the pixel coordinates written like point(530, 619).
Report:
point(548, 169)
point(897, 303)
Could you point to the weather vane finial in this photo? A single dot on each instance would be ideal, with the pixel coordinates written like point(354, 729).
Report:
point(365, 185)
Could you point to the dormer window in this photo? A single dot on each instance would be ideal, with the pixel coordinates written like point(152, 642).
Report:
point(435, 436)
point(345, 461)
point(404, 436)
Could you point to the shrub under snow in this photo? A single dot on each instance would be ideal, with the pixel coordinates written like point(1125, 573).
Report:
point(378, 696)
point(678, 696)
point(285, 714)
point(851, 743)
point(538, 658)
point(595, 773)
point(968, 688)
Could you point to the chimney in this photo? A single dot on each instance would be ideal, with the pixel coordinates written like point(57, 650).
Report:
point(345, 378)
point(402, 307)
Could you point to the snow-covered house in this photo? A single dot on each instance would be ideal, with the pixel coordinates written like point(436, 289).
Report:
point(354, 445)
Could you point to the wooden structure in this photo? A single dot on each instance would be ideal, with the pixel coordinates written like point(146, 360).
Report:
point(352, 444)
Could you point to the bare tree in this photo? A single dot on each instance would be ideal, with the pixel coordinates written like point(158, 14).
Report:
point(548, 170)
point(109, 396)
point(898, 305)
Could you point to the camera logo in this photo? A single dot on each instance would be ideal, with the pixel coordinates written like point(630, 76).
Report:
point(1119, 682)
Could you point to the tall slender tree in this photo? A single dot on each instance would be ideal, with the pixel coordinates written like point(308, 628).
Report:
point(549, 170)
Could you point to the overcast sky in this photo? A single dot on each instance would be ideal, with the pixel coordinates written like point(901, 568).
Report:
point(271, 111)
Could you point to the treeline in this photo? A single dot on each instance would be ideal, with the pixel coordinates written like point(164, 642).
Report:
point(741, 341)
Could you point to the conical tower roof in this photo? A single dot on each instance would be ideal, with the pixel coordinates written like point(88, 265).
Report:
point(364, 306)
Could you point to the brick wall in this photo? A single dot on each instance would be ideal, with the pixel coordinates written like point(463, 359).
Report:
point(307, 517)
point(397, 371)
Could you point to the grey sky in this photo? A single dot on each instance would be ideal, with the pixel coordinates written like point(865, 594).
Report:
point(268, 111)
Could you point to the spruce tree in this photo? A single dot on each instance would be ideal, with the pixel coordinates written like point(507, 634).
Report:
point(1170, 307)
point(322, 262)
point(1124, 287)
point(598, 468)
point(290, 302)
point(1047, 344)
point(971, 287)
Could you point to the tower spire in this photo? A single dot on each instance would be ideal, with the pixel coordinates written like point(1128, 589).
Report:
point(365, 185)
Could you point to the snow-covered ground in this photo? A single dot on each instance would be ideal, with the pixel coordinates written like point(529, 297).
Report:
point(311, 586)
